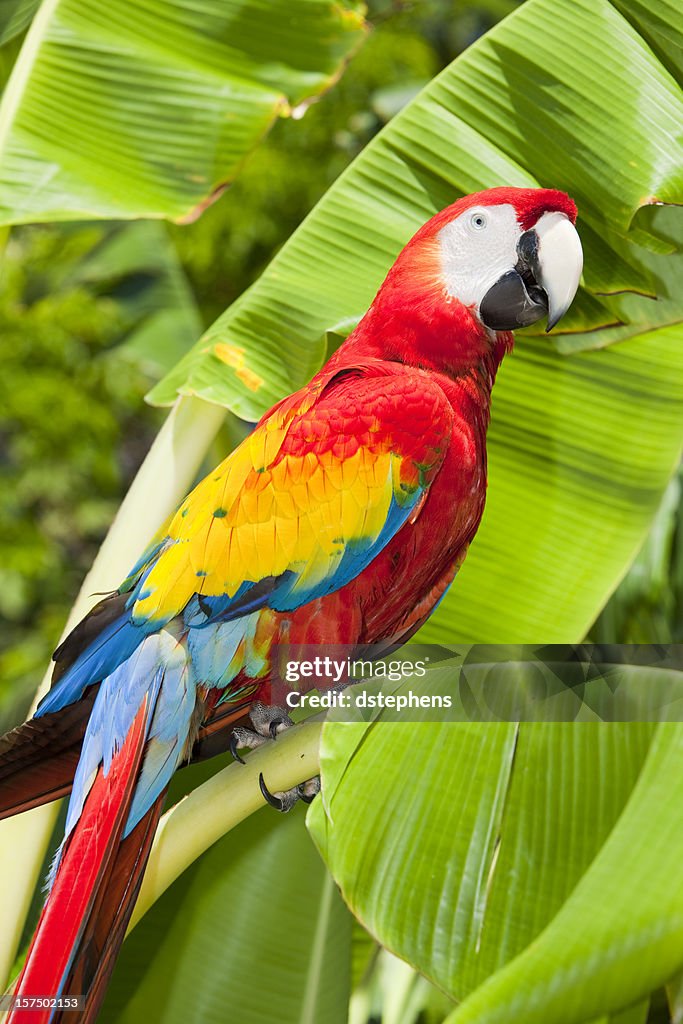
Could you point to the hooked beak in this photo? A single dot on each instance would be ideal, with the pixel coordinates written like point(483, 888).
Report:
point(544, 279)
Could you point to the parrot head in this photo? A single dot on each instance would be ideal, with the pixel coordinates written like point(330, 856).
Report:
point(512, 255)
point(508, 256)
point(488, 264)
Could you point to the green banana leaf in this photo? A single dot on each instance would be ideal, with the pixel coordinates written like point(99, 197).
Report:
point(646, 606)
point(147, 108)
point(531, 870)
point(632, 314)
point(630, 907)
point(633, 1015)
point(15, 17)
point(254, 931)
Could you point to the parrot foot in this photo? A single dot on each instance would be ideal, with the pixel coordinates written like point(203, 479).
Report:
point(285, 800)
point(268, 722)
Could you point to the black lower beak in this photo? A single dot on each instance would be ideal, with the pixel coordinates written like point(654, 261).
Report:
point(516, 299)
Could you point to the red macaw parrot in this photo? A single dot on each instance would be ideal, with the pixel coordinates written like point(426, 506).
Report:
point(343, 518)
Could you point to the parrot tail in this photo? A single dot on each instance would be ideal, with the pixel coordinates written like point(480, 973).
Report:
point(93, 890)
point(38, 759)
point(106, 928)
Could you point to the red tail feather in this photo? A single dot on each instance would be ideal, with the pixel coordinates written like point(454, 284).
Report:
point(86, 865)
point(106, 927)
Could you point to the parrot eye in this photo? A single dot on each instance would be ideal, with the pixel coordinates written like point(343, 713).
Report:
point(478, 220)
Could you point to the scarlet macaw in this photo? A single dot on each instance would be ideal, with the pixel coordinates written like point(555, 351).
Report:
point(343, 518)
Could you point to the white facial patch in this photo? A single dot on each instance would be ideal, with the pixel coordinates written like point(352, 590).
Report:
point(477, 248)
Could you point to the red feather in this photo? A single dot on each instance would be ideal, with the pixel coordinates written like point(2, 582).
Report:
point(84, 869)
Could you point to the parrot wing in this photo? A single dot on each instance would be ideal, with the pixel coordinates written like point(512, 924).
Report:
point(304, 504)
point(299, 509)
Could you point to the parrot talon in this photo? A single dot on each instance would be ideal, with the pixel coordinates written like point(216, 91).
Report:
point(267, 795)
point(247, 738)
point(280, 801)
point(233, 748)
point(268, 723)
point(284, 801)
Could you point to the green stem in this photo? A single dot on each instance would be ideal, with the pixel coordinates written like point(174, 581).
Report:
point(161, 483)
point(211, 810)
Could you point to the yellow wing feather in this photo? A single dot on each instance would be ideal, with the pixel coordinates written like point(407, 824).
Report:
point(264, 511)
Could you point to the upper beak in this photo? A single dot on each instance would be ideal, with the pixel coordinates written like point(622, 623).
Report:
point(558, 264)
point(544, 280)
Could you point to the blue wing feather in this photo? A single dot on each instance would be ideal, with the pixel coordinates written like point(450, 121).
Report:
point(111, 648)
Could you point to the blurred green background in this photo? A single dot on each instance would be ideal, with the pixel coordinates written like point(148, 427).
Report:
point(92, 315)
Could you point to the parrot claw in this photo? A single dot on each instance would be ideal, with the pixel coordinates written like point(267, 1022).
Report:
point(232, 747)
point(280, 801)
point(284, 801)
point(268, 723)
point(246, 738)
